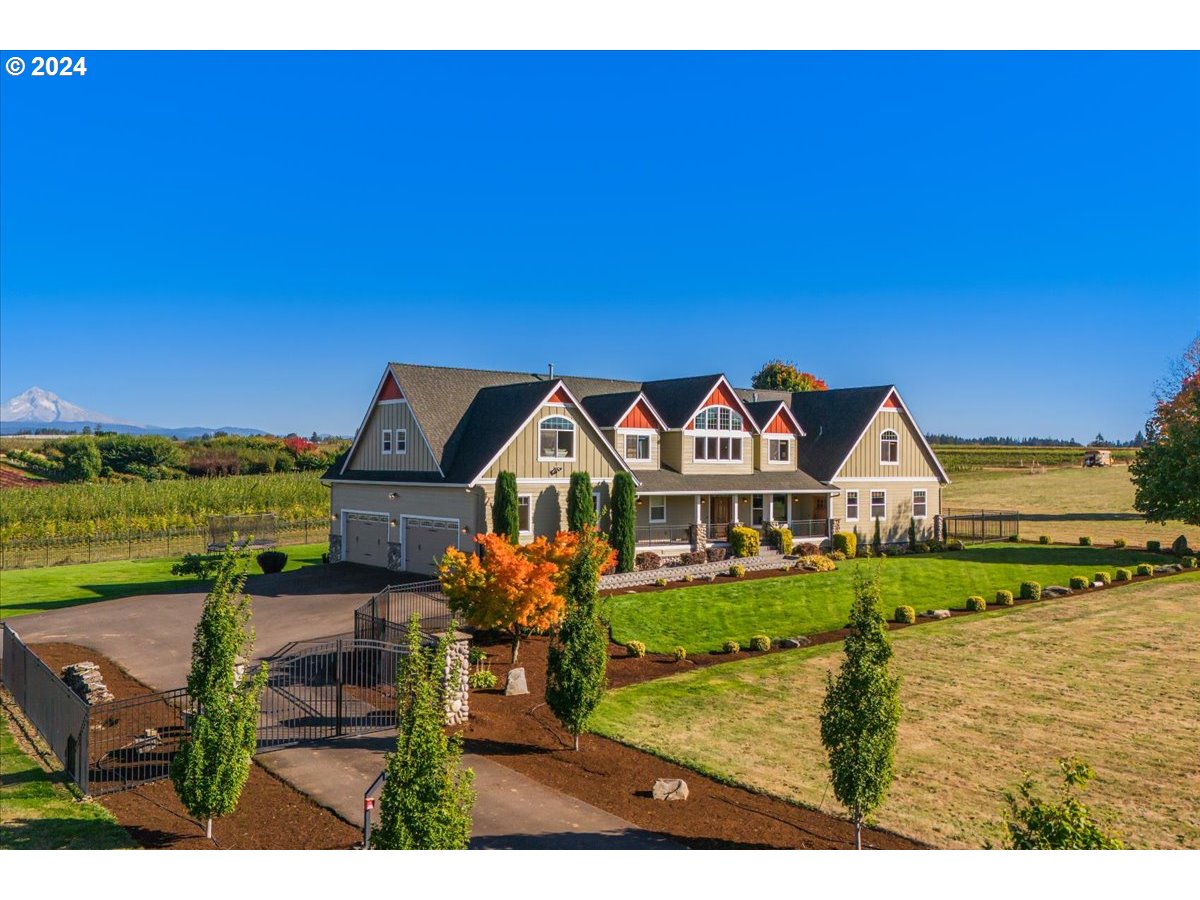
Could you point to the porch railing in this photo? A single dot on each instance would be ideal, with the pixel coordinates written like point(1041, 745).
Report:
point(718, 532)
point(654, 535)
point(809, 528)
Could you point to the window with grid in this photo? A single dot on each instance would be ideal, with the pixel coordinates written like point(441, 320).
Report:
point(889, 447)
point(386, 445)
point(756, 509)
point(556, 438)
point(658, 510)
point(401, 443)
point(920, 506)
point(878, 504)
point(851, 505)
point(717, 418)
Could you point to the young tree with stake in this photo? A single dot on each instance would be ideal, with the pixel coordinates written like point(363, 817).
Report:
point(861, 712)
point(213, 761)
point(578, 655)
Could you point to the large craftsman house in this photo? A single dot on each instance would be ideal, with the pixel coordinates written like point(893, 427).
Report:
point(704, 455)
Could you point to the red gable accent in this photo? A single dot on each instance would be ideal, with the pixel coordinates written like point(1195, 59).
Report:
point(781, 424)
point(559, 396)
point(390, 390)
point(891, 402)
point(639, 417)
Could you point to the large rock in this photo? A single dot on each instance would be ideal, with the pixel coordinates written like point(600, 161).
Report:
point(670, 789)
point(1055, 590)
point(794, 642)
point(936, 614)
point(515, 683)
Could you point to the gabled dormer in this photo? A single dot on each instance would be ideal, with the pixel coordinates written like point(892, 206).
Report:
point(390, 438)
point(779, 430)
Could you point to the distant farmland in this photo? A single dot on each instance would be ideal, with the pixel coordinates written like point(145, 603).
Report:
point(962, 458)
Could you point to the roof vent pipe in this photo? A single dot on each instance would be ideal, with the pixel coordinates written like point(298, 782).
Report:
point(551, 371)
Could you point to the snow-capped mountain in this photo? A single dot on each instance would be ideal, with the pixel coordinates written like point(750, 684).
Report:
point(38, 408)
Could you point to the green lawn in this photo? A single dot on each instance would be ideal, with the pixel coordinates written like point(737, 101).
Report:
point(37, 813)
point(702, 618)
point(24, 591)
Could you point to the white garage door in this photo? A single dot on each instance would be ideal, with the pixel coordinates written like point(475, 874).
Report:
point(366, 539)
point(424, 541)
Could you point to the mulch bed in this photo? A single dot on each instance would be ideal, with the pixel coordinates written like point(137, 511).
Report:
point(272, 815)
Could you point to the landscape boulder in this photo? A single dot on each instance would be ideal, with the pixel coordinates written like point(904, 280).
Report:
point(1167, 569)
point(515, 684)
point(85, 680)
point(936, 614)
point(670, 789)
point(794, 642)
point(1055, 590)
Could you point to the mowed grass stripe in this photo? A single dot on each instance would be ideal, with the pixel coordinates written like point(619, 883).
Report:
point(1114, 678)
point(701, 618)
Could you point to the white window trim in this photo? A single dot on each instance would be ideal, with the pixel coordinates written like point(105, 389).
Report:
point(787, 441)
point(400, 435)
point(896, 461)
point(528, 497)
point(596, 501)
point(857, 500)
point(650, 511)
point(871, 504)
point(637, 435)
point(719, 406)
point(741, 435)
point(760, 511)
point(924, 515)
point(574, 439)
point(385, 442)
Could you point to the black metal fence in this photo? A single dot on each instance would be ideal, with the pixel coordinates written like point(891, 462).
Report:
point(133, 741)
point(256, 529)
point(981, 524)
point(385, 616)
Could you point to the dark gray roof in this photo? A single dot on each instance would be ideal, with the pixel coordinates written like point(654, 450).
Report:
point(677, 398)
point(833, 421)
point(606, 409)
point(762, 410)
point(669, 481)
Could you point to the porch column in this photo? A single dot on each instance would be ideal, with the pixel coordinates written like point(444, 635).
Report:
point(789, 508)
point(697, 520)
point(699, 532)
point(768, 510)
point(736, 520)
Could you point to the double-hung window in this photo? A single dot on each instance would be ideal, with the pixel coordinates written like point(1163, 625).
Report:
point(889, 448)
point(920, 504)
point(556, 438)
point(778, 450)
point(852, 506)
point(717, 447)
point(878, 504)
point(658, 510)
point(385, 446)
point(401, 441)
point(756, 510)
point(525, 513)
point(637, 446)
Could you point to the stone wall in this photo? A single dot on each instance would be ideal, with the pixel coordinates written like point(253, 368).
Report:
point(335, 548)
point(617, 580)
point(457, 673)
point(394, 556)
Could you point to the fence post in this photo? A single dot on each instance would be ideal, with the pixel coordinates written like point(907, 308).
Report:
point(338, 676)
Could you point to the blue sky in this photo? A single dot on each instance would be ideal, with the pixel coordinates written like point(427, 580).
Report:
point(221, 238)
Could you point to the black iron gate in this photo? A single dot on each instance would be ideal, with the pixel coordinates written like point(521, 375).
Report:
point(981, 524)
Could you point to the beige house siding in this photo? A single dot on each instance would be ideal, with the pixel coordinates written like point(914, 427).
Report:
point(864, 461)
point(690, 466)
point(412, 500)
point(368, 455)
point(762, 450)
point(671, 450)
point(898, 503)
point(617, 437)
point(521, 455)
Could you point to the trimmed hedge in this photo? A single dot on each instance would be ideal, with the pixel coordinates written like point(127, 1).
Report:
point(905, 615)
point(692, 558)
point(976, 604)
point(954, 544)
point(760, 642)
point(732, 647)
point(1031, 590)
point(1188, 562)
point(1102, 577)
point(272, 561)
point(846, 542)
point(1044, 539)
point(1119, 543)
point(1154, 546)
point(1079, 583)
point(647, 561)
point(1180, 546)
point(744, 541)
point(679, 653)
point(781, 539)
point(1144, 569)
point(636, 648)
point(1004, 598)
point(737, 571)
point(716, 554)
point(1085, 542)
point(1124, 575)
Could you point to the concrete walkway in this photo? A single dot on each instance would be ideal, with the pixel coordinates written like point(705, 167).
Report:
point(512, 812)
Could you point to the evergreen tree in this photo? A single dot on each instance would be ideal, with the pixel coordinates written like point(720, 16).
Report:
point(506, 518)
point(581, 508)
point(912, 533)
point(578, 656)
point(213, 761)
point(624, 521)
point(877, 541)
point(427, 796)
point(861, 712)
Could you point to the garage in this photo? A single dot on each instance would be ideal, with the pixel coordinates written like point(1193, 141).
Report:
point(425, 540)
point(366, 538)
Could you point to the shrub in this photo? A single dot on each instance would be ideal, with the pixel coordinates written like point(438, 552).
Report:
point(198, 565)
point(744, 541)
point(1031, 590)
point(807, 548)
point(647, 561)
point(1118, 543)
point(325, 558)
point(846, 542)
point(692, 558)
point(1153, 546)
point(732, 647)
point(1124, 575)
point(976, 604)
point(272, 561)
point(954, 544)
point(679, 654)
point(1180, 546)
point(688, 578)
point(912, 534)
point(1189, 562)
point(716, 554)
point(1004, 598)
point(781, 539)
point(1102, 577)
point(1085, 542)
point(636, 648)
point(905, 615)
point(1014, 538)
point(737, 571)
point(837, 556)
point(482, 680)
point(1145, 569)
point(760, 642)
point(661, 582)
point(1044, 539)
point(877, 541)
point(476, 655)
point(820, 563)
point(1078, 583)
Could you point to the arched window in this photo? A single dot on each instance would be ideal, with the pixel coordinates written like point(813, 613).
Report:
point(717, 418)
point(889, 447)
point(556, 438)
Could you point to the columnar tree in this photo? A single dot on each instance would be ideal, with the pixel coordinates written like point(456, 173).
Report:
point(912, 533)
point(506, 519)
point(213, 761)
point(427, 798)
point(877, 541)
point(861, 711)
point(624, 521)
point(581, 508)
point(578, 655)
point(1166, 470)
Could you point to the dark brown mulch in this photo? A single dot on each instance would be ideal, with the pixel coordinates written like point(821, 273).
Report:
point(521, 733)
point(271, 814)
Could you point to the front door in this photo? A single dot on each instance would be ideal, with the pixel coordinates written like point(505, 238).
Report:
point(720, 509)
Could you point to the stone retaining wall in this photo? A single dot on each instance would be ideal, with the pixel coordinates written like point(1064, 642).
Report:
point(617, 580)
point(457, 673)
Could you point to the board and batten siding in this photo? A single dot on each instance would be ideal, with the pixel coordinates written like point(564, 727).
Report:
point(617, 437)
point(762, 451)
point(898, 507)
point(864, 461)
point(521, 455)
point(369, 455)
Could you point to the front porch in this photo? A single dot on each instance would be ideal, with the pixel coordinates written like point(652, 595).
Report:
point(679, 523)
